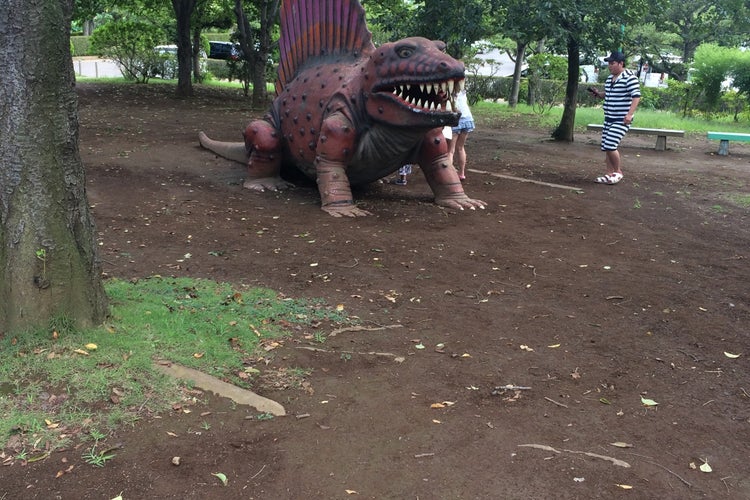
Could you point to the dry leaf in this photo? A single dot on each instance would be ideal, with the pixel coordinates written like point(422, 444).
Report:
point(437, 405)
point(731, 356)
point(624, 486)
point(81, 351)
point(620, 444)
point(91, 346)
point(171, 434)
point(705, 467)
point(352, 492)
point(553, 346)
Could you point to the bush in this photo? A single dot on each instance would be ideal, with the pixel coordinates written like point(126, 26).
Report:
point(218, 69)
point(81, 45)
point(131, 44)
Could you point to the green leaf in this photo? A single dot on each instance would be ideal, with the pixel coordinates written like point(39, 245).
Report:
point(648, 402)
point(222, 477)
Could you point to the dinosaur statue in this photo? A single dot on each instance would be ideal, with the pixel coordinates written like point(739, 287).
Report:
point(347, 113)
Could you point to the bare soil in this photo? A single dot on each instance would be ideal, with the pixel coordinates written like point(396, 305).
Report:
point(588, 300)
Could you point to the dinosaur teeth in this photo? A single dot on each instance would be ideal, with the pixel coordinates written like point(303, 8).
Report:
point(450, 83)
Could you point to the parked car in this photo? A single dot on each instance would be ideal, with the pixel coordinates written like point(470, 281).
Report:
point(224, 50)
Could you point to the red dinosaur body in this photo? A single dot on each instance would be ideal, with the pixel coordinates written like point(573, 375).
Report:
point(347, 113)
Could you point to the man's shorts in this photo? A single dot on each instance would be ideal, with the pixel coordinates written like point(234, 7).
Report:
point(612, 134)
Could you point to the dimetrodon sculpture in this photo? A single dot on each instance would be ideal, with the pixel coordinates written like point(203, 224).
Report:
point(347, 113)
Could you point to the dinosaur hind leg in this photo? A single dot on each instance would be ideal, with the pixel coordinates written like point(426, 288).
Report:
point(263, 142)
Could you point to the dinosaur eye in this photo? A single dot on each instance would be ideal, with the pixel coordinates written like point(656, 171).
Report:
point(404, 52)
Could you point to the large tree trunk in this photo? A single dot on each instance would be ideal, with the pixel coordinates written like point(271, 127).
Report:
point(564, 131)
point(183, 10)
point(48, 261)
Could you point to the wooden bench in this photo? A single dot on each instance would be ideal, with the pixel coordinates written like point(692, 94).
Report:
point(725, 137)
point(660, 133)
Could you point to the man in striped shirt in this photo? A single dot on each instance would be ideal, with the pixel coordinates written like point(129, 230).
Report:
point(622, 93)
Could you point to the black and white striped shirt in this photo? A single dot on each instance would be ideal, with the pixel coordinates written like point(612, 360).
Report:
point(619, 95)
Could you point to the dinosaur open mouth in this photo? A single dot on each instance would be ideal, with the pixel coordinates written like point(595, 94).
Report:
point(431, 96)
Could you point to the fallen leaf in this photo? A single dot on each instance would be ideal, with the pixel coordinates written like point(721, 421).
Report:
point(648, 402)
point(171, 434)
point(80, 351)
point(118, 497)
point(351, 492)
point(624, 486)
point(340, 307)
point(434, 421)
point(91, 346)
point(526, 348)
point(437, 405)
point(466, 355)
point(419, 346)
point(731, 356)
point(705, 467)
point(553, 346)
point(222, 477)
point(198, 355)
point(620, 444)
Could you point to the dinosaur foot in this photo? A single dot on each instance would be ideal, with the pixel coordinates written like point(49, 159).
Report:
point(345, 211)
point(266, 184)
point(460, 203)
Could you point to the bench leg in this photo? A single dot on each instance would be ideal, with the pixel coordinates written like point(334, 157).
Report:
point(724, 147)
point(661, 143)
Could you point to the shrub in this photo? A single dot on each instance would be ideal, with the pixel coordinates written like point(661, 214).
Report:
point(81, 45)
point(131, 44)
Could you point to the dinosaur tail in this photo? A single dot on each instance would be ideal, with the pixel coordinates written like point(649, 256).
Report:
point(234, 151)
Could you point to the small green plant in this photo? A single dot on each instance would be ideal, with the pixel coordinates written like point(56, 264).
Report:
point(205, 425)
point(41, 254)
point(98, 458)
point(319, 337)
point(22, 455)
point(97, 435)
point(637, 203)
point(265, 416)
point(345, 356)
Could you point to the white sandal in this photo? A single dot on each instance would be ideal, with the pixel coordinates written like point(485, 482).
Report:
point(613, 178)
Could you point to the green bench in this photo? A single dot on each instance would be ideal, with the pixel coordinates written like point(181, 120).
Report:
point(660, 133)
point(725, 137)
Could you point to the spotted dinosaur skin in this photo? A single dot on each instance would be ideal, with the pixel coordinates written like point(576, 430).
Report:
point(347, 113)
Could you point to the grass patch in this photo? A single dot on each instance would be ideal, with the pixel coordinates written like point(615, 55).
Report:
point(739, 199)
point(61, 385)
point(493, 114)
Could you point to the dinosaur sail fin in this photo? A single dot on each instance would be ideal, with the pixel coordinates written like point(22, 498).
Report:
point(316, 28)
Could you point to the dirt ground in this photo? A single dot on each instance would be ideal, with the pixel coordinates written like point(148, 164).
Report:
point(587, 297)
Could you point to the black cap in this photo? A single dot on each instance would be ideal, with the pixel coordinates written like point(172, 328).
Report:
point(616, 56)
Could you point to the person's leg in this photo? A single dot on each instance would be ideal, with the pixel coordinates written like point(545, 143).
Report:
point(613, 162)
point(460, 141)
point(612, 134)
point(452, 148)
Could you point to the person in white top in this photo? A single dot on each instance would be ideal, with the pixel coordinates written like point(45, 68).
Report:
point(460, 133)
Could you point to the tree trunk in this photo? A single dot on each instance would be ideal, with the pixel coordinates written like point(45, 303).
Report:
point(516, 86)
point(196, 53)
point(564, 131)
point(183, 10)
point(256, 49)
point(48, 261)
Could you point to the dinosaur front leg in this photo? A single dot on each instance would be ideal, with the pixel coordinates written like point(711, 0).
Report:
point(334, 151)
point(263, 142)
point(441, 176)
